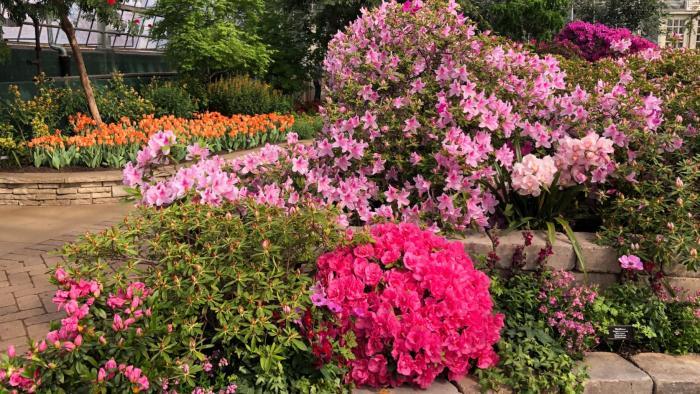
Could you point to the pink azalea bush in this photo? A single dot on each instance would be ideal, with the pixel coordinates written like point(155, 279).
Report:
point(596, 41)
point(427, 121)
point(413, 300)
point(88, 311)
point(150, 308)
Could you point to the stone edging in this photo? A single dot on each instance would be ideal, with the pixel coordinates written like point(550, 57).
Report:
point(644, 373)
point(601, 262)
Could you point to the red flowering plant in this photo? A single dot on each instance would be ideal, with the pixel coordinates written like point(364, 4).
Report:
point(413, 302)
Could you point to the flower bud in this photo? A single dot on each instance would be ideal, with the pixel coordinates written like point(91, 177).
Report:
point(679, 182)
point(679, 201)
point(671, 226)
point(693, 253)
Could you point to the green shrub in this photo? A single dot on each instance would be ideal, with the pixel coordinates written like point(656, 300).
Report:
point(115, 100)
point(670, 324)
point(213, 283)
point(244, 95)
point(307, 126)
point(12, 150)
point(170, 98)
point(38, 116)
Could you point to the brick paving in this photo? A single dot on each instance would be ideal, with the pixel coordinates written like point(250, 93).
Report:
point(26, 309)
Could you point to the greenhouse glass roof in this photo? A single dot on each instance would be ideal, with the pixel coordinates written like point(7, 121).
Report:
point(90, 32)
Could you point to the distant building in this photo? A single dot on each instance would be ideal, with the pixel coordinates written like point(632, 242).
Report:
point(678, 24)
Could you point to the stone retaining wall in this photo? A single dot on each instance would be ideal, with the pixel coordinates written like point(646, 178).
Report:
point(97, 187)
point(72, 188)
point(609, 373)
point(601, 265)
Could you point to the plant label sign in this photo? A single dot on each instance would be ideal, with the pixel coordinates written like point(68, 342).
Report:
point(620, 333)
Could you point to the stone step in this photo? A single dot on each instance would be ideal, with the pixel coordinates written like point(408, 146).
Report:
point(671, 374)
point(610, 373)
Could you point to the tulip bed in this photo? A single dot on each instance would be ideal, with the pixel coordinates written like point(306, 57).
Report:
point(115, 144)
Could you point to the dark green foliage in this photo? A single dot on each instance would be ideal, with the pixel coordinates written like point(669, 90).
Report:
point(635, 15)
point(170, 98)
point(532, 360)
point(244, 95)
point(4, 50)
point(525, 19)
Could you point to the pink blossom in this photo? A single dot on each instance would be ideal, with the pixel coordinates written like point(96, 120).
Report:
point(631, 262)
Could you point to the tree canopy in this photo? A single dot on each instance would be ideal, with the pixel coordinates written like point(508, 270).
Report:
point(210, 37)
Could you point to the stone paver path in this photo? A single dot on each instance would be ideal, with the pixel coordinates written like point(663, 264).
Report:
point(28, 236)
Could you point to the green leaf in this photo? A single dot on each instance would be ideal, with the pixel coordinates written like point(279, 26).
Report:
point(551, 233)
point(574, 242)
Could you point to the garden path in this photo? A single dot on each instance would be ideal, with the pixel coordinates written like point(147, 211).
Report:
point(28, 235)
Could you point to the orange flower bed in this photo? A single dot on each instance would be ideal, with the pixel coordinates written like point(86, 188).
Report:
point(114, 144)
point(209, 125)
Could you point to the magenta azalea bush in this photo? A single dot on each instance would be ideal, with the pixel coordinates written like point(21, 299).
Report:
point(415, 304)
point(596, 41)
point(427, 121)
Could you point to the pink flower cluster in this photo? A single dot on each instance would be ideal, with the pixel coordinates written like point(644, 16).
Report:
point(130, 372)
point(564, 304)
point(631, 262)
point(588, 159)
point(155, 152)
point(128, 302)
point(15, 376)
point(533, 174)
point(75, 298)
point(596, 41)
point(413, 300)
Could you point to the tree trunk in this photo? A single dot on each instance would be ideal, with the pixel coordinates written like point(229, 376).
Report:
point(68, 28)
point(317, 89)
point(37, 44)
